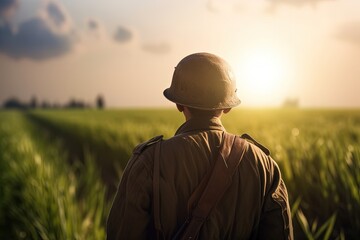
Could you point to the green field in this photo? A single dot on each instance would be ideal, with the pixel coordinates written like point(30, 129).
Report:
point(60, 168)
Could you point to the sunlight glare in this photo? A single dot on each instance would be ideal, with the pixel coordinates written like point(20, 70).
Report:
point(262, 74)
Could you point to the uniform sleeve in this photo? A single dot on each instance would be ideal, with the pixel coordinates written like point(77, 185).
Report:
point(130, 214)
point(275, 220)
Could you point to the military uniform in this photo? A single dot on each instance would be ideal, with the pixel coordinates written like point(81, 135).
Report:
point(254, 207)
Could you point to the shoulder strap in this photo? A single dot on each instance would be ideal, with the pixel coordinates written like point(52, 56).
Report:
point(156, 193)
point(252, 140)
point(229, 158)
point(141, 147)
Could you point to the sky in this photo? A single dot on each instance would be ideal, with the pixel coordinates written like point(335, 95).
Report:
point(126, 51)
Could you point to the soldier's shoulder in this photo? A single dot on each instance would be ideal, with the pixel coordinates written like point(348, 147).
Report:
point(142, 146)
point(250, 139)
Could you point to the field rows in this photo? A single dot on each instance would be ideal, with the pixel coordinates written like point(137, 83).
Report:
point(318, 152)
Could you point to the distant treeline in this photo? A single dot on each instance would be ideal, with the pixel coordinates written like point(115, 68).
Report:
point(291, 103)
point(15, 103)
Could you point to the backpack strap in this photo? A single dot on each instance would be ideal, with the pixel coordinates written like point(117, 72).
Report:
point(224, 150)
point(156, 193)
point(219, 180)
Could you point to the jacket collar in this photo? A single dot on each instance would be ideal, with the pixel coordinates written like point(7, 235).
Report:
point(200, 124)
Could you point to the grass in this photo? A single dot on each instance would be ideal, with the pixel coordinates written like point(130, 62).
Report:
point(318, 152)
point(40, 195)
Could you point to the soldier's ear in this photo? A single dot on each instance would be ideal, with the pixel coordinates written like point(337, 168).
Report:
point(180, 107)
point(226, 110)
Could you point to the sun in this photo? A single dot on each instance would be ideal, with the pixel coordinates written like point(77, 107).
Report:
point(262, 74)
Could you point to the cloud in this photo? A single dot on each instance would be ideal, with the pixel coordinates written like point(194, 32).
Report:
point(56, 14)
point(157, 48)
point(94, 30)
point(219, 6)
point(7, 9)
point(4, 4)
point(122, 35)
point(294, 3)
point(211, 7)
point(349, 32)
point(33, 40)
point(92, 24)
point(56, 18)
point(45, 36)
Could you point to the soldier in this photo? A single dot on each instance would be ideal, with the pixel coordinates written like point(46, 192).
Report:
point(164, 181)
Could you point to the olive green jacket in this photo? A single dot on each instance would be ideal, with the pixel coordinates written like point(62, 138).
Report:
point(254, 207)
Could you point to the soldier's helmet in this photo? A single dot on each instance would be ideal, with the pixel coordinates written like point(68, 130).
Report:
point(203, 81)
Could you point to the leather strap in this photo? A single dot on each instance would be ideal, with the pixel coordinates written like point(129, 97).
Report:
point(156, 192)
point(232, 149)
point(209, 192)
point(224, 150)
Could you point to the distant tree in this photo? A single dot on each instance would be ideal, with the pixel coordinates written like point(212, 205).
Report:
point(14, 103)
point(45, 105)
point(56, 105)
point(100, 102)
point(33, 102)
point(76, 104)
point(291, 103)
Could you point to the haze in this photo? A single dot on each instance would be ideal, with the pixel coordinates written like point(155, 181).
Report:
point(127, 50)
